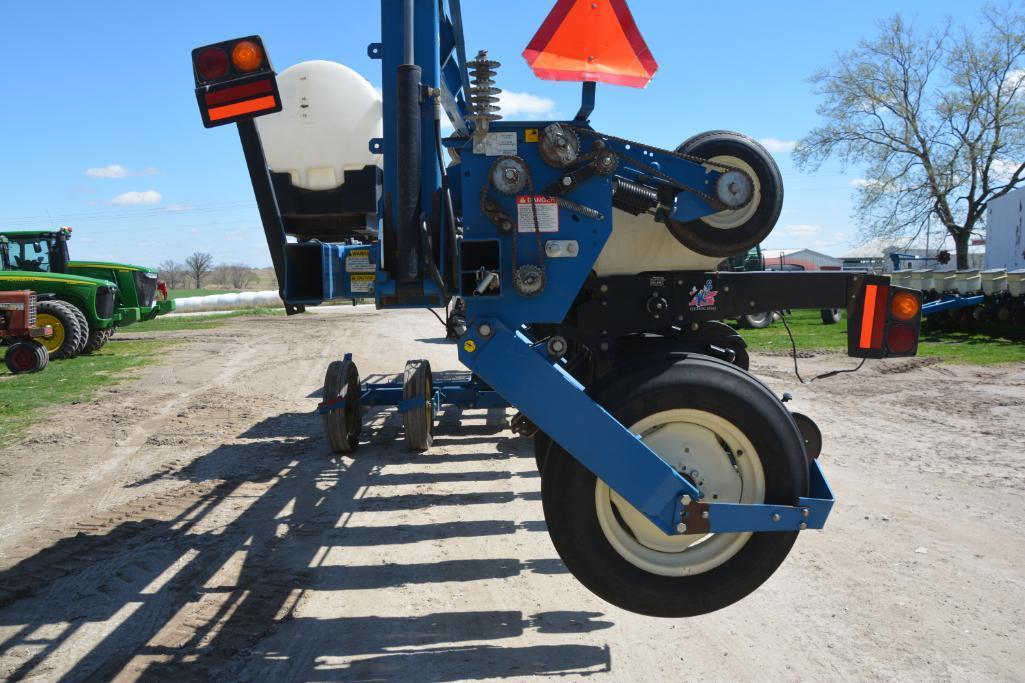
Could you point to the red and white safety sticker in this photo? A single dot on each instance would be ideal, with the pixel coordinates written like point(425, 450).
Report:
point(547, 211)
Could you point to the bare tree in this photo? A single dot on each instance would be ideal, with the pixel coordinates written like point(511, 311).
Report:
point(240, 275)
point(936, 117)
point(173, 273)
point(198, 265)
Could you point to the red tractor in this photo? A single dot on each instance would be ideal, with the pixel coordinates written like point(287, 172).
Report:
point(18, 330)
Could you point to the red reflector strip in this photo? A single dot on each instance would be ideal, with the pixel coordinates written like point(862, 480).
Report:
point(238, 92)
point(873, 317)
point(241, 108)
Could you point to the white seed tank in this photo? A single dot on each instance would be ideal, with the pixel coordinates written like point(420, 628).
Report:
point(329, 114)
point(639, 243)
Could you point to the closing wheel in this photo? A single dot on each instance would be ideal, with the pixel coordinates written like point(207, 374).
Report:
point(343, 425)
point(22, 357)
point(733, 231)
point(418, 421)
point(830, 316)
point(730, 436)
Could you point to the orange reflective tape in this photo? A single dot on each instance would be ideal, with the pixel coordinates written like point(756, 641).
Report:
point(868, 316)
point(241, 108)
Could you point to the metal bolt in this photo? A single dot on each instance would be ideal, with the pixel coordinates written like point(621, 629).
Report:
point(561, 141)
point(694, 473)
point(484, 329)
point(604, 288)
point(752, 304)
point(775, 516)
point(704, 514)
point(726, 288)
point(506, 226)
point(679, 282)
point(693, 326)
point(679, 317)
point(567, 181)
point(681, 527)
point(512, 174)
point(805, 512)
point(604, 346)
point(685, 500)
point(802, 526)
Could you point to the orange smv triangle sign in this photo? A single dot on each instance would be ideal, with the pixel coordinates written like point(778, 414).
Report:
point(591, 40)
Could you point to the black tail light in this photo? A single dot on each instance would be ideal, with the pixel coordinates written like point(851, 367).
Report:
point(234, 81)
point(885, 320)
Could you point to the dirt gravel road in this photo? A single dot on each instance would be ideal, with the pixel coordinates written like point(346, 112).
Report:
point(192, 524)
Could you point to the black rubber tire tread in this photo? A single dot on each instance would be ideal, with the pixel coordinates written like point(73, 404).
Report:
point(755, 321)
point(830, 316)
point(84, 323)
point(22, 349)
point(343, 425)
point(44, 356)
point(418, 423)
point(542, 444)
point(73, 332)
point(96, 340)
point(701, 382)
point(710, 241)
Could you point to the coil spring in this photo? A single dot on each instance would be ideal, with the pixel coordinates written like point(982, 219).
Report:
point(483, 93)
point(633, 197)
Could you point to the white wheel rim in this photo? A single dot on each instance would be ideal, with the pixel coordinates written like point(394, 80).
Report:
point(732, 218)
point(691, 441)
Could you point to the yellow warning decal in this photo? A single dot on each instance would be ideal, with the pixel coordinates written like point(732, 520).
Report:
point(469, 346)
point(530, 135)
point(361, 282)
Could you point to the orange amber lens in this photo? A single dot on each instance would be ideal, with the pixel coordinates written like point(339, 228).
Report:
point(904, 306)
point(247, 56)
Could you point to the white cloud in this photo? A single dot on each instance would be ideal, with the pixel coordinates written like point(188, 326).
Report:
point(802, 229)
point(118, 171)
point(144, 197)
point(111, 171)
point(778, 146)
point(863, 182)
point(525, 104)
point(1003, 169)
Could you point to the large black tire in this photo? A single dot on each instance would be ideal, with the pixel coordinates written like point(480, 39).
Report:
point(831, 316)
point(727, 233)
point(64, 316)
point(755, 321)
point(418, 422)
point(22, 357)
point(343, 425)
point(84, 324)
point(44, 355)
point(697, 383)
point(96, 340)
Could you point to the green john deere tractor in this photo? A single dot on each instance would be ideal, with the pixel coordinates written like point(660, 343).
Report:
point(80, 309)
point(138, 293)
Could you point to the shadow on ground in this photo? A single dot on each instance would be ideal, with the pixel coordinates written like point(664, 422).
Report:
point(158, 577)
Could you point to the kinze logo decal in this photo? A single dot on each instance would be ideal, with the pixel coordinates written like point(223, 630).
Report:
point(703, 299)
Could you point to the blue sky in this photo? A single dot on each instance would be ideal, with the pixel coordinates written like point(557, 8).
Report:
point(101, 131)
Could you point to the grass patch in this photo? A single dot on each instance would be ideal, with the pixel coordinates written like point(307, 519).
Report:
point(810, 334)
point(196, 322)
point(24, 398)
point(182, 293)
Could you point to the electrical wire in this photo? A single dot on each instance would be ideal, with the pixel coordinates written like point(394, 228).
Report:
point(793, 348)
